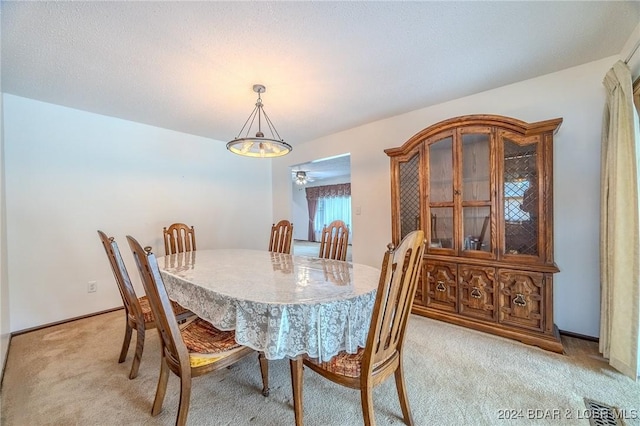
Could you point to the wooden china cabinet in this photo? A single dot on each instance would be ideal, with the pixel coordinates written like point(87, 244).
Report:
point(481, 188)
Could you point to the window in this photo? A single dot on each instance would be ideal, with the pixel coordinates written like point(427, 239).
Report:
point(330, 209)
point(326, 204)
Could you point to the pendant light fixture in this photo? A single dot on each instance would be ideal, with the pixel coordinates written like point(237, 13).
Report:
point(258, 145)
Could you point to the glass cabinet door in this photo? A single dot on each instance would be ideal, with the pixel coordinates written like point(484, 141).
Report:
point(476, 191)
point(409, 195)
point(441, 187)
point(520, 197)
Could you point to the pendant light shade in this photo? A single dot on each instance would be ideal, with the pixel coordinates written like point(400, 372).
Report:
point(258, 145)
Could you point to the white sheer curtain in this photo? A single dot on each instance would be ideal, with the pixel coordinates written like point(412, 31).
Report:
point(330, 209)
point(620, 225)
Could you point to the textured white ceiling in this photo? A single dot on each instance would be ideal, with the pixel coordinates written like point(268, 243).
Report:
point(328, 66)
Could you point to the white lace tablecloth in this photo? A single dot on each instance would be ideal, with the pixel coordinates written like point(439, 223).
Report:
point(279, 304)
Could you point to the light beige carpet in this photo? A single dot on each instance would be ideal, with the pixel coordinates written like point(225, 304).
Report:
point(69, 375)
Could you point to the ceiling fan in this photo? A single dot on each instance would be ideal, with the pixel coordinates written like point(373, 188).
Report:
point(300, 177)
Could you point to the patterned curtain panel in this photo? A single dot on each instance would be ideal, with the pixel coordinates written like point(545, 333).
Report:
point(329, 191)
point(314, 193)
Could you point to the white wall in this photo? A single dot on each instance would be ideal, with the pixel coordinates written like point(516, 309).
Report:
point(575, 94)
point(631, 50)
point(300, 209)
point(70, 173)
point(4, 281)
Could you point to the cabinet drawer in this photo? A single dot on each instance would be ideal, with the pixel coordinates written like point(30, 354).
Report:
point(521, 299)
point(478, 296)
point(441, 286)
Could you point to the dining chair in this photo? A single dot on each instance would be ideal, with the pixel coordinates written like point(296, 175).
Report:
point(280, 242)
point(382, 354)
point(334, 241)
point(138, 314)
point(178, 238)
point(191, 350)
point(281, 234)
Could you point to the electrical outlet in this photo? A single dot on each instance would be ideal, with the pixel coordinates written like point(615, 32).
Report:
point(92, 286)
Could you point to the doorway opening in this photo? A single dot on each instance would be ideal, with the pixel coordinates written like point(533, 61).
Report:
point(330, 179)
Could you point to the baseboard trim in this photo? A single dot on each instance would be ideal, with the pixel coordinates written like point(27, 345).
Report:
point(40, 327)
point(579, 336)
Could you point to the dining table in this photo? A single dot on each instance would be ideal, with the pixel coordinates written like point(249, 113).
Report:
point(282, 305)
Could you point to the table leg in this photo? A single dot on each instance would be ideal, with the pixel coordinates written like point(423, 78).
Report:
point(296, 384)
point(264, 370)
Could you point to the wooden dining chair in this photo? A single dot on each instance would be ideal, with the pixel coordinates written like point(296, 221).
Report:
point(138, 314)
point(281, 235)
point(334, 241)
point(179, 238)
point(279, 242)
point(382, 354)
point(189, 351)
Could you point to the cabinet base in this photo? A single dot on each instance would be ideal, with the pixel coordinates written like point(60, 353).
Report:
point(545, 341)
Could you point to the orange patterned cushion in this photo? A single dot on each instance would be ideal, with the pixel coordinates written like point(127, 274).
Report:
point(146, 309)
point(148, 314)
point(344, 363)
point(202, 337)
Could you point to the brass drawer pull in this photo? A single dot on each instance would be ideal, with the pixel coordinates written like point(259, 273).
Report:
point(440, 286)
point(519, 300)
point(476, 293)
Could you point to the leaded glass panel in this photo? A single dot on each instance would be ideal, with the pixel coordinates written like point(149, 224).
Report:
point(520, 198)
point(409, 196)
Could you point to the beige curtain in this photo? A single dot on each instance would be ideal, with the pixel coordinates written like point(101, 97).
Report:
point(636, 94)
point(620, 225)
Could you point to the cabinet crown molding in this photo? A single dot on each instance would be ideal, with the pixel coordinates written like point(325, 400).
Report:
point(513, 124)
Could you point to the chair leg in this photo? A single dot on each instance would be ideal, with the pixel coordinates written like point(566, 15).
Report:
point(185, 397)
point(296, 384)
point(402, 395)
point(264, 370)
point(140, 332)
point(125, 343)
point(162, 386)
point(366, 398)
